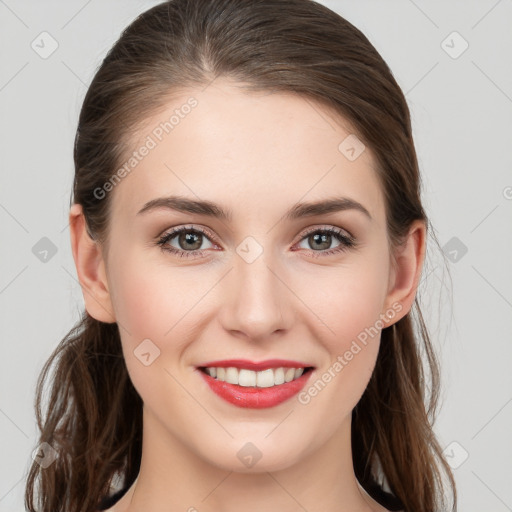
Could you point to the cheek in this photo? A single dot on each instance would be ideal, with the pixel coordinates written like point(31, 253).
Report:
point(349, 302)
point(149, 304)
point(352, 345)
point(160, 303)
point(151, 299)
point(347, 299)
point(145, 310)
point(140, 305)
point(356, 309)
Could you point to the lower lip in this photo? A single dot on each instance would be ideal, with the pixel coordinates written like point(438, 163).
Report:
point(253, 397)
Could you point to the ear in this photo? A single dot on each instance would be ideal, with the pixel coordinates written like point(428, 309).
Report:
point(90, 268)
point(406, 272)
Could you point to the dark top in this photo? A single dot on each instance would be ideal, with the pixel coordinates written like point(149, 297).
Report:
point(109, 501)
point(386, 499)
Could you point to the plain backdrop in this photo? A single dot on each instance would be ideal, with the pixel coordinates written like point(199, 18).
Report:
point(453, 60)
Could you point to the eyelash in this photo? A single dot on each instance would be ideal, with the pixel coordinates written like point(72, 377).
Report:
point(346, 242)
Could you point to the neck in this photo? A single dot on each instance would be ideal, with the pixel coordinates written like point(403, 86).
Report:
point(174, 477)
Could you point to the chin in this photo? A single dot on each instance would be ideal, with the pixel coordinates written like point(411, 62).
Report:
point(255, 456)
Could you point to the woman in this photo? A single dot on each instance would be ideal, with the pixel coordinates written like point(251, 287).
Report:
point(248, 232)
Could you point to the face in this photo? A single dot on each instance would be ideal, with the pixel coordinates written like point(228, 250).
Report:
point(256, 285)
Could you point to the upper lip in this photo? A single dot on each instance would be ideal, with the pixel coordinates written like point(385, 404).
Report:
point(254, 366)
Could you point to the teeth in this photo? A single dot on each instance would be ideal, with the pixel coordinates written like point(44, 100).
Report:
point(289, 374)
point(279, 376)
point(265, 378)
point(212, 371)
point(248, 378)
point(231, 375)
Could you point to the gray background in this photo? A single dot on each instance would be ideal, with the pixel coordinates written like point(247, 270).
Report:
point(461, 107)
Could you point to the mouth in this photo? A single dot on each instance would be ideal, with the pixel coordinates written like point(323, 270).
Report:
point(255, 385)
point(267, 378)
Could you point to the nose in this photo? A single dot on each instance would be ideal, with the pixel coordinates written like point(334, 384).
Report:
point(259, 302)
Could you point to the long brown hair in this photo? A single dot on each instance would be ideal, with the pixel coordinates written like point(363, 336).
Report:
point(94, 414)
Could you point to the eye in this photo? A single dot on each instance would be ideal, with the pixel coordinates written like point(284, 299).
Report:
point(189, 241)
point(321, 239)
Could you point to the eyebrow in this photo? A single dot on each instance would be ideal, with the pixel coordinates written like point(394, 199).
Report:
point(210, 209)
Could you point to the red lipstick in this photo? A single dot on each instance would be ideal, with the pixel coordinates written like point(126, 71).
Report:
point(251, 396)
point(255, 367)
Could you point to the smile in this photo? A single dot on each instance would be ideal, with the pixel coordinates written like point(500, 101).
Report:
point(249, 378)
point(255, 385)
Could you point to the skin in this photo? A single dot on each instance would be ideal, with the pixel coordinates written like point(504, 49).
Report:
point(257, 154)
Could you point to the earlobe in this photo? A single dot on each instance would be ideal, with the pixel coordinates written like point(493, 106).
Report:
point(407, 271)
point(90, 268)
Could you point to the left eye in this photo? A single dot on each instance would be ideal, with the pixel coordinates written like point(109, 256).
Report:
point(190, 241)
point(324, 237)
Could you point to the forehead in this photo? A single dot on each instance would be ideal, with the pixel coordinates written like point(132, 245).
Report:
point(251, 151)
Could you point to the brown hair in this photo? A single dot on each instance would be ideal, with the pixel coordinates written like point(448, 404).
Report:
point(94, 417)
